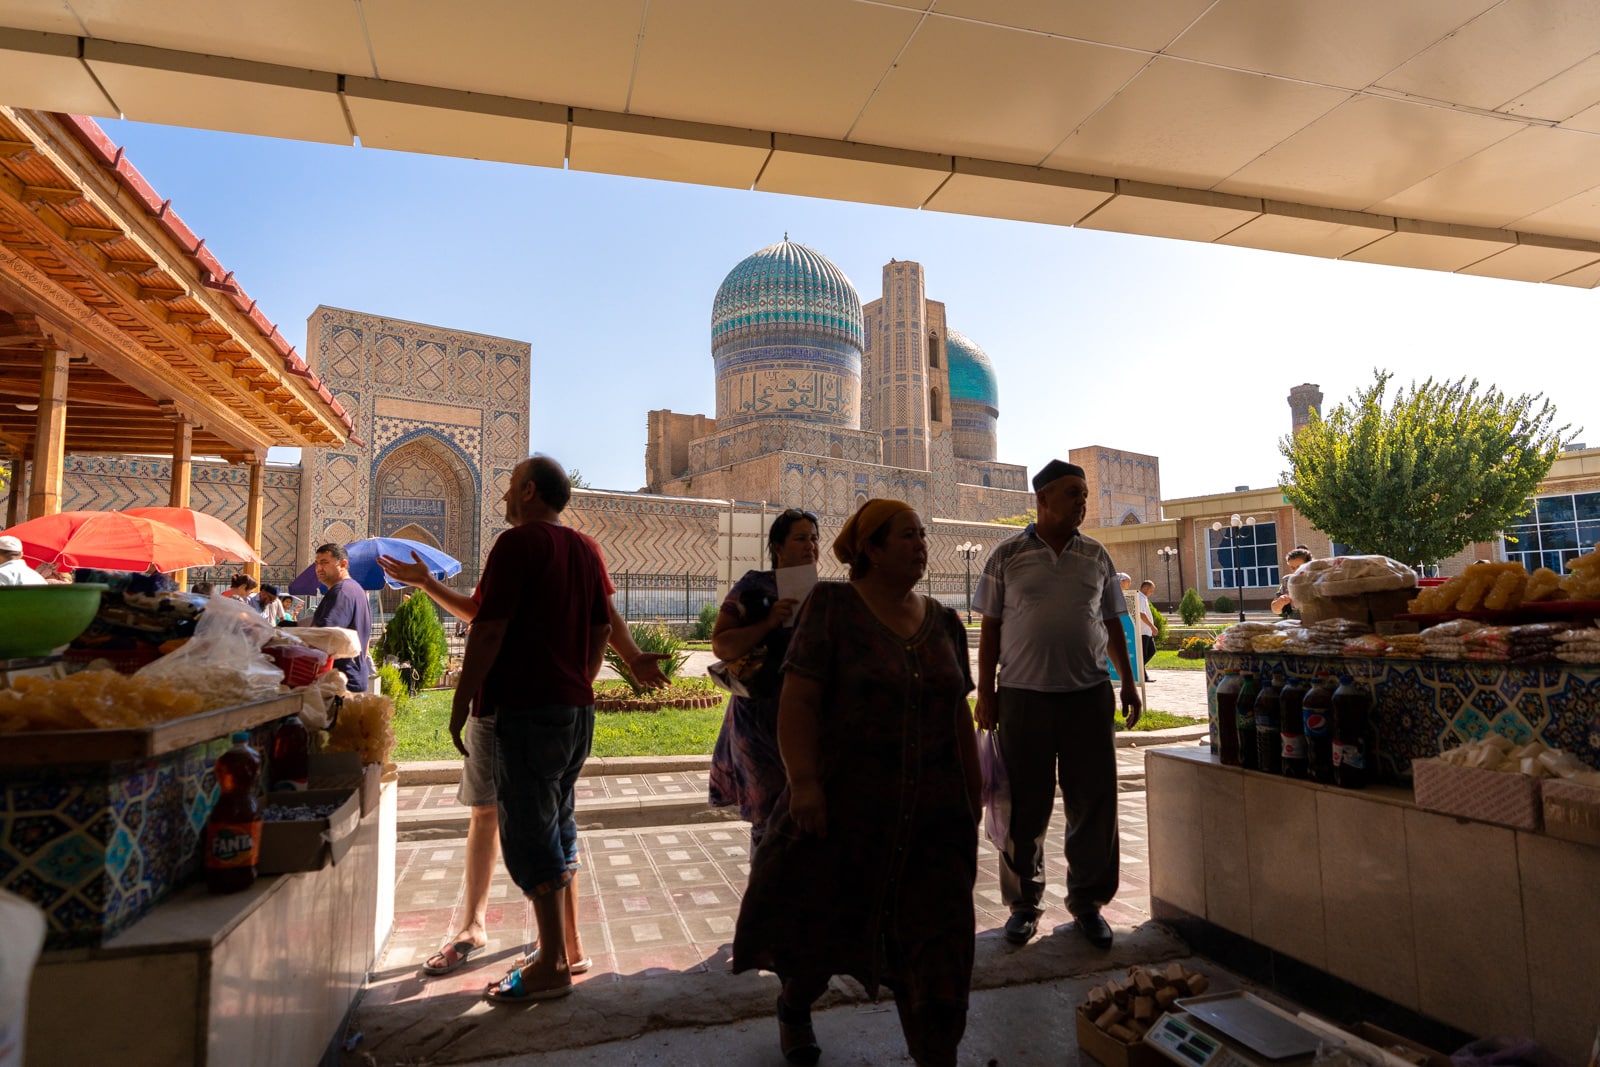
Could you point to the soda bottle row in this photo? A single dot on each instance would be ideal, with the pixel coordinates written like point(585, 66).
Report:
point(1281, 725)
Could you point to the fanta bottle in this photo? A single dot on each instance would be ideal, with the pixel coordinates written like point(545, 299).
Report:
point(233, 830)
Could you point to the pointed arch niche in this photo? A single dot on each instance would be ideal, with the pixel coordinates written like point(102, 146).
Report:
point(424, 487)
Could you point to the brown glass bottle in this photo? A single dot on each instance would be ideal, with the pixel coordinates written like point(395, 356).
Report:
point(1292, 728)
point(233, 829)
point(1227, 733)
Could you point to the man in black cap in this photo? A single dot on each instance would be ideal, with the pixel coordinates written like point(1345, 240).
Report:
point(1051, 607)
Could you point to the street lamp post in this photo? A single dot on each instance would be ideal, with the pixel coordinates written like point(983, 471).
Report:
point(1238, 569)
point(1166, 552)
point(969, 552)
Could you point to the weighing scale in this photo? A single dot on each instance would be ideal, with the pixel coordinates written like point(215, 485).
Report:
point(1232, 1030)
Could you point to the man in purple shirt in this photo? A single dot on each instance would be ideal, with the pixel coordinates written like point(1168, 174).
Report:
point(344, 605)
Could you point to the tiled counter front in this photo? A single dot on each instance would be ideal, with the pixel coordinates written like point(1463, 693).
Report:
point(1478, 926)
point(1423, 705)
point(262, 978)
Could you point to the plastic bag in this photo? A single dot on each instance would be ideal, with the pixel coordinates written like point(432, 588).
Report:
point(223, 661)
point(722, 677)
point(996, 789)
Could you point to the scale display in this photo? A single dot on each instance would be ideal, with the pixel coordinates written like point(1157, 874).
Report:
point(1179, 1039)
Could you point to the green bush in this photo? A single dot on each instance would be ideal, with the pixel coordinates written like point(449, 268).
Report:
point(394, 687)
point(706, 623)
point(1191, 607)
point(650, 637)
point(1161, 624)
point(416, 636)
point(1224, 606)
point(1196, 647)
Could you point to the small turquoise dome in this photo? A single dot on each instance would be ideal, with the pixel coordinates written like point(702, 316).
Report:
point(784, 292)
point(972, 376)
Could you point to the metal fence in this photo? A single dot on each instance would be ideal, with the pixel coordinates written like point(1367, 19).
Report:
point(668, 598)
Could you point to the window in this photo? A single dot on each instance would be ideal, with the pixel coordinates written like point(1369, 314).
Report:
point(1257, 556)
point(1556, 530)
point(934, 411)
point(933, 350)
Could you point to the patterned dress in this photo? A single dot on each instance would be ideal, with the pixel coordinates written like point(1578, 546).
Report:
point(886, 895)
point(746, 768)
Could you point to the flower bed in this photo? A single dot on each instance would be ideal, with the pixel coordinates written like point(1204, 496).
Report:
point(678, 695)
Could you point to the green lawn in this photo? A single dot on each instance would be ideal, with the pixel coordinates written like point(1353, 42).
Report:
point(423, 731)
point(1169, 661)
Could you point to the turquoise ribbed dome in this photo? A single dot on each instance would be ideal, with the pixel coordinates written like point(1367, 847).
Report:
point(783, 293)
point(972, 376)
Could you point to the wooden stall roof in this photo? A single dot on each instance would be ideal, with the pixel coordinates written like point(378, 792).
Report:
point(93, 261)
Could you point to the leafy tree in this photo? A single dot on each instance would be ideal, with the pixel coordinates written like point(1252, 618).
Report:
point(576, 479)
point(1444, 465)
point(416, 636)
point(1031, 515)
point(1191, 607)
point(1224, 605)
point(1161, 624)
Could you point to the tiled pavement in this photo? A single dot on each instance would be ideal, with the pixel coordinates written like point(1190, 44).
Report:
point(655, 901)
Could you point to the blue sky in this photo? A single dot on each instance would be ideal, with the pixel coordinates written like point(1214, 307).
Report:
point(1180, 350)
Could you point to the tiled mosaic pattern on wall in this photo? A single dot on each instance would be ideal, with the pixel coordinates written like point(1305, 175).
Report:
point(98, 846)
point(1423, 706)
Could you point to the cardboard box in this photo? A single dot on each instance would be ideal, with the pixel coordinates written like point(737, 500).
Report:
point(1472, 793)
point(1111, 1052)
point(1403, 1047)
point(310, 844)
point(344, 770)
point(1571, 811)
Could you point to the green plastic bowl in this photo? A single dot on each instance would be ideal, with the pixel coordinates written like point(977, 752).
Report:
point(37, 619)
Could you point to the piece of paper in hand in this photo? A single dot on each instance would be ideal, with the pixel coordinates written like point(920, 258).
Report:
point(794, 583)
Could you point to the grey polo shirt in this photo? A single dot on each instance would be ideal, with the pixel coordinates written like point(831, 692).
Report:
point(1054, 611)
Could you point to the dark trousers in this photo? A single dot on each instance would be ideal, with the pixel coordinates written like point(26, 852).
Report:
point(1149, 644)
point(1072, 736)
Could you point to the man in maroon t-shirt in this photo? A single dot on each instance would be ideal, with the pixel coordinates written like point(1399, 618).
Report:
point(534, 650)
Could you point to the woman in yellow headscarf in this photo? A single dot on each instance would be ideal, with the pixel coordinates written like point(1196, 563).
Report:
point(871, 852)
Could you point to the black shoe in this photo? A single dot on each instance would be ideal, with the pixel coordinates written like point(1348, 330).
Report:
point(796, 1038)
point(1092, 926)
point(1021, 927)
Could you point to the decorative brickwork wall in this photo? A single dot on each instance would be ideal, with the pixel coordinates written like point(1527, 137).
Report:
point(1123, 486)
point(441, 419)
point(111, 483)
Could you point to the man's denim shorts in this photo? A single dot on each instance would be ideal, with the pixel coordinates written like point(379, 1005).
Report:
point(539, 754)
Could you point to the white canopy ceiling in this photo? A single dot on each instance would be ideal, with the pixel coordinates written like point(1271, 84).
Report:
point(1455, 135)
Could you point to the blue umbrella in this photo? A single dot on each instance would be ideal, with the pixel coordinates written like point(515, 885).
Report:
point(364, 564)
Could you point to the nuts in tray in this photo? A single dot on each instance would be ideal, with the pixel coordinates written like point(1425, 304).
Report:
point(297, 812)
point(1126, 1007)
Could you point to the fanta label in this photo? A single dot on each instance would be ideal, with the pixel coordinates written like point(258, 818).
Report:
point(1294, 746)
point(1348, 756)
point(232, 844)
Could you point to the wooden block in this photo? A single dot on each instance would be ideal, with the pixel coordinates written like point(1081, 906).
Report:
point(1197, 983)
point(1143, 985)
point(1144, 1008)
point(1123, 1034)
point(1175, 973)
point(1165, 997)
point(1111, 1016)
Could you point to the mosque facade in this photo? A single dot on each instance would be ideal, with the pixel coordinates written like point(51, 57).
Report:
point(823, 402)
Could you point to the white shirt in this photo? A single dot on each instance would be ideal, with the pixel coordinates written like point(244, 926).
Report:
point(17, 572)
point(1142, 612)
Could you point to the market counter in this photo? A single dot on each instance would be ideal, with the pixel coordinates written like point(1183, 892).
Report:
point(1478, 926)
point(1423, 705)
point(261, 978)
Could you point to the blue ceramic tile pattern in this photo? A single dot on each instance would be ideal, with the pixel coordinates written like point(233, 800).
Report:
point(98, 845)
point(1423, 706)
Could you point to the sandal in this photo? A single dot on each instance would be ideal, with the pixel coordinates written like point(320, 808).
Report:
point(573, 966)
point(450, 957)
point(512, 990)
point(797, 1039)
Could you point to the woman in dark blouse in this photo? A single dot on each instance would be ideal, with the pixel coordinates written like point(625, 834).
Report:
point(752, 633)
point(870, 856)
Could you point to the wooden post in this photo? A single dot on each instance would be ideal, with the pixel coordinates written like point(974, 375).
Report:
point(50, 436)
point(19, 473)
point(178, 483)
point(252, 522)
